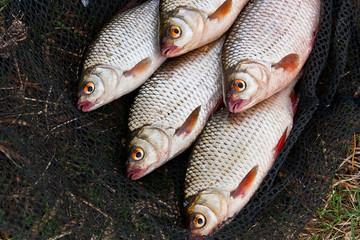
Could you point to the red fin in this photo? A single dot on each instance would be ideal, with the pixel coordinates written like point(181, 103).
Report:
point(288, 63)
point(294, 101)
point(218, 106)
point(189, 123)
point(139, 68)
point(246, 183)
point(314, 36)
point(280, 144)
point(129, 5)
point(204, 48)
point(222, 10)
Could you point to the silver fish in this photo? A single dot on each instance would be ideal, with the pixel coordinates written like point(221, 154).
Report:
point(231, 157)
point(122, 57)
point(172, 107)
point(266, 48)
point(189, 24)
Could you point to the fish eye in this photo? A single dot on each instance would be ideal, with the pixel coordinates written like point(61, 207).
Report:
point(199, 220)
point(138, 154)
point(89, 88)
point(240, 85)
point(175, 31)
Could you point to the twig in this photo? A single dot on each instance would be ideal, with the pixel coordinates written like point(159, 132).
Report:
point(67, 122)
point(47, 167)
point(10, 154)
point(63, 234)
point(91, 205)
point(353, 155)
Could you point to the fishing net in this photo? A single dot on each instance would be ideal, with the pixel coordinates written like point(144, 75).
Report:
point(62, 171)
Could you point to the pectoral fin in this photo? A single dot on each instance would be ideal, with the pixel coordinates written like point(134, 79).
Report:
point(280, 144)
point(246, 183)
point(189, 123)
point(139, 68)
point(288, 63)
point(222, 10)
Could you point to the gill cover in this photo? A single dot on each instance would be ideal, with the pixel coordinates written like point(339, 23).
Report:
point(244, 83)
point(147, 149)
point(97, 87)
point(182, 32)
point(206, 211)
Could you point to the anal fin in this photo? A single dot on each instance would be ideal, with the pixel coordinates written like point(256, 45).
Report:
point(246, 183)
point(139, 68)
point(189, 123)
point(222, 10)
point(289, 63)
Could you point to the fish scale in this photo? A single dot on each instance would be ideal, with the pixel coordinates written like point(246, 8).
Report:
point(257, 34)
point(232, 144)
point(139, 28)
point(208, 6)
point(177, 81)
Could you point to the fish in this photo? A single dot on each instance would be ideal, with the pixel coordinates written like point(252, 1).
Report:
point(172, 107)
point(266, 48)
point(124, 55)
point(231, 157)
point(190, 24)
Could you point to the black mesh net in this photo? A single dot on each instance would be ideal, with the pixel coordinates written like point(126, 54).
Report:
point(61, 171)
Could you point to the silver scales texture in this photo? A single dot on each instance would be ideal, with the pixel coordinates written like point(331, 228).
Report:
point(177, 88)
point(207, 6)
point(232, 144)
point(269, 30)
point(127, 39)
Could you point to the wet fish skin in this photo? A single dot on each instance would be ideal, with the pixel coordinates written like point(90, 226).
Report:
point(231, 157)
point(172, 107)
point(196, 22)
point(266, 47)
point(124, 54)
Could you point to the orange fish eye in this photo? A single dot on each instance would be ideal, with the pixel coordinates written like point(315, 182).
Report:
point(89, 88)
point(199, 220)
point(175, 31)
point(138, 154)
point(240, 85)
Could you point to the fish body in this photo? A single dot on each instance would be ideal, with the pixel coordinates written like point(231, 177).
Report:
point(125, 54)
point(231, 157)
point(189, 24)
point(266, 48)
point(172, 107)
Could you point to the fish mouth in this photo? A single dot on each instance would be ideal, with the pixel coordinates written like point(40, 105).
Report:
point(236, 105)
point(134, 173)
point(170, 51)
point(84, 106)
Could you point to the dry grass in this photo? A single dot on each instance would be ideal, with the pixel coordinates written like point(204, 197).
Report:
point(339, 216)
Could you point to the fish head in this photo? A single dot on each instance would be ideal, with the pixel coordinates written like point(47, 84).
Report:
point(206, 211)
point(244, 85)
point(181, 32)
point(98, 87)
point(148, 149)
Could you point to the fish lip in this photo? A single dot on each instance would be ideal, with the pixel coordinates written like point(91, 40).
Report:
point(134, 173)
point(84, 105)
point(170, 50)
point(236, 105)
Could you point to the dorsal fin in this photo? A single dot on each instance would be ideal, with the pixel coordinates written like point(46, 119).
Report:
point(289, 63)
point(246, 183)
point(189, 123)
point(222, 10)
point(139, 68)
